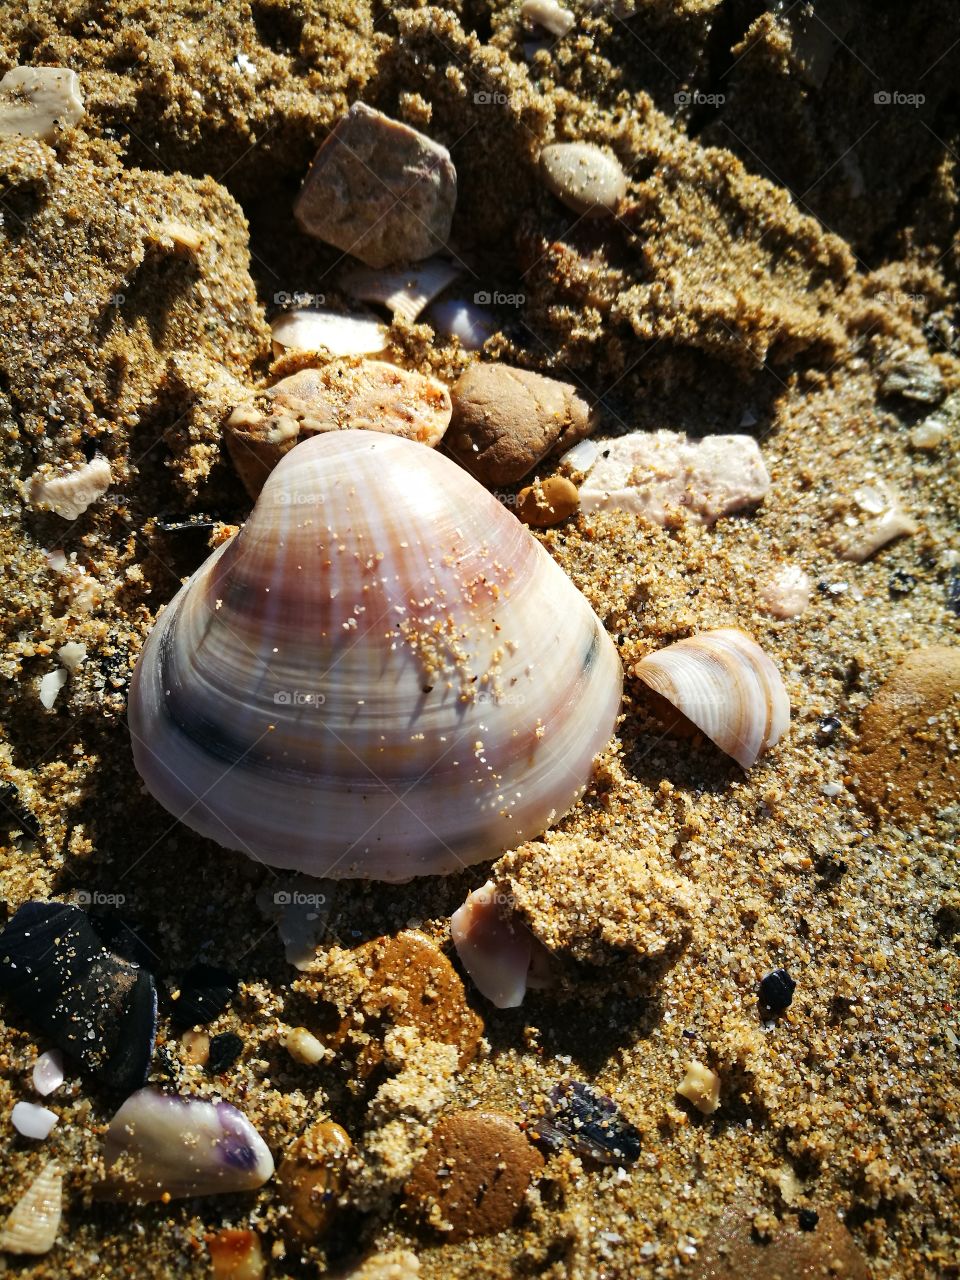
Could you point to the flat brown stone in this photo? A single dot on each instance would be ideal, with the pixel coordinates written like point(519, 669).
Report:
point(473, 1176)
point(827, 1252)
point(903, 765)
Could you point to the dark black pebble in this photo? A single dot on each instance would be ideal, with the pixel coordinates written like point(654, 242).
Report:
point(827, 729)
point(901, 583)
point(587, 1122)
point(204, 992)
point(225, 1049)
point(776, 991)
point(94, 1005)
point(807, 1219)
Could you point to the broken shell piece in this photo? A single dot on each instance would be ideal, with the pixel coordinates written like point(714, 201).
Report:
point(549, 15)
point(587, 1122)
point(497, 950)
point(787, 593)
point(469, 323)
point(160, 1146)
point(313, 329)
point(701, 1087)
point(404, 292)
point(912, 374)
point(48, 1072)
point(72, 492)
point(50, 686)
point(33, 1222)
point(33, 1121)
point(724, 683)
point(236, 1254)
point(889, 522)
point(178, 236)
point(37, 101)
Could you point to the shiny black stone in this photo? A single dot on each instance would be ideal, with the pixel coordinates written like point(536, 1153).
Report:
point(225, 1049)
point(776, 991)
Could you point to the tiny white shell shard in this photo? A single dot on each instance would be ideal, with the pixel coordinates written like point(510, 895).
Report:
point(33, 1222)
point(313, 329)
point(159, 1144)
point(48, 1072)
point(725, 684)
point(549, 15)
point(468, 322)
point(33, 1121)
point(404, 291)
point(50, 686)
point(36, 102)
point(72, 492)
point(495, 951)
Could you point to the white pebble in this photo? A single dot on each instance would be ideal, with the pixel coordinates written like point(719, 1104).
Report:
point(549, 15)
point(33, 1121)
point(48, 1072)
point(832, 789)
point(787, 593)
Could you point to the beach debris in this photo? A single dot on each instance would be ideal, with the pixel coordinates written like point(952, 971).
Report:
point(196, 1048)
point(379, 190)
point(732, 1251)
point(911, 374)
point(468, 322)
point(69, 493)
point(97, 1007)
point(900, 583)
point(32, 1224)
point(328, 332)
point(175, 236)
point(72, 654)
point(548, 502)
point(303, 1046)
point(722, 682)
point(312, 1175)
point(38, 102)
point(404, 291)
point(33, 1121)
point(786, 593)
point(365, 622)
point(658, 474)
point(498, 951)
point(201, 995)
point(701, 1087)
point(827, 729)
point(549, 15)
point(776, 992)
point(165, 1146)
point(396, 1264)
point(236, 1254)
point(577, 1117)
point(300, 907)
point(363, 394)
point(505, 420)
point(905, 763)
point(578, 460)
point(50, 686)
point(225, 1049)
point(933, 430)
point(473, 1177)
point(886, 521)
point(48, 1072)
point(583, 177)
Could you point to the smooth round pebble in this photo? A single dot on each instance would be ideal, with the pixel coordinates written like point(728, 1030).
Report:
point(473, 1177)
point(235, 1254)
point(825, 1252)
point(311, 1176)
point(586, 179)
point(548, 502)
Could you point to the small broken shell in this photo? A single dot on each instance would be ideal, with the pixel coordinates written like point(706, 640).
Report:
point(315, 329)
point(406, 291)
point(161, 1145)
point(33, 1222)
point(498, 951)
point(468, 322)
point(72, 492)
point(724, 683)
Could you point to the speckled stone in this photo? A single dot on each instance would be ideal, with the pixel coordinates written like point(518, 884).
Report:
point(586, 179)
point(473, 1176)
point(903, 765)
point(379, 190)
point(732, 1252)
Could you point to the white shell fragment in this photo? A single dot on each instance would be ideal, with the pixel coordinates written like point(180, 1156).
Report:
point(864, 538)
point(787, 593)
point(655, 474)
point(313, 329)
point(48, 1072)
point(159, 1144)
point(382, 675)
point(33, 1121)
point(36, 102)
point(701, 1087)
point(33, 1222)
point(468, 322)
point(549, 15)
point(50, 686)
point(404, 292)
point(725, 684)
point(72, 492)
point(495, 950)
point(72, 654)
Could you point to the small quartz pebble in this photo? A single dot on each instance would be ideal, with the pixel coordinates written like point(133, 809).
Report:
point(69, 493)
point(787, 593)
point(311, 1176)
point(795, 1251)
point(549, 15)
point(905, 764)
point(33, 1121)
point(196, 1047)
point(658, 474)
point(587, 180)
point(701, 1087)
point(37, 102)
point(379, 190)
point(548, 502)
point(48, 1072)
point(473, 1177)
point(33, 1222)
point(505, 420)
point(236, 1254)
point(304, 1047)
point(776, 991)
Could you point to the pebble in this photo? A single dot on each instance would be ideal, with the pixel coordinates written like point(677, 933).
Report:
point(69, 493)
point(196, 1048)
point(586, 179)
point(48, 1072)
point(379, 190)
point(396, 1264)
point(776, 991)
point(549, 15)
point(33, 1222)
point(548, 502)
point(304, 1047)
point(505, 420)
point(787, 593)
point(701, 1087)
point(225, 1049)
point(473, 1177)
point(33, 1121)
point(903, 765)
point(913, 375)
point(311, 1176)
point(825, 1252)
point(658, 474)
point(367, 394)
point(236, 1254)
point(37, 102)
point(327, 332)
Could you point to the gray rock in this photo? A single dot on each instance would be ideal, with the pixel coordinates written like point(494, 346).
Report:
point(586, 179)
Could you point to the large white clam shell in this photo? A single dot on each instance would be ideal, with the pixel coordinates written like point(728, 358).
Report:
point(727, 686)
point(382, 675)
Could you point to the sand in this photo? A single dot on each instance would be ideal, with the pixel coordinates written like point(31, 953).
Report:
point(777, 249)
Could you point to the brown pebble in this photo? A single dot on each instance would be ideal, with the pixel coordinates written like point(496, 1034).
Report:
point(903, 765)
point(196, 1047)
point(379, 190)
point(505, 420)
point(473, 1176)
point(548, 502)
point(311, 1176)
point(235, 1255)
point(732, 1252)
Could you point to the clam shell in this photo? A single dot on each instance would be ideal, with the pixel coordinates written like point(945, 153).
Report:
point(382, 675)
point(726, 685)
point(405, 292)
point(33, 1222)
point(495, 950)
point(315, 329)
